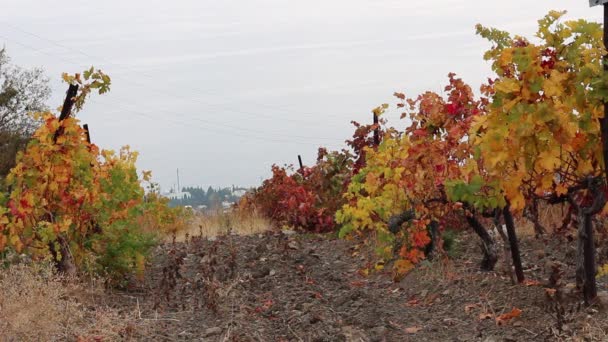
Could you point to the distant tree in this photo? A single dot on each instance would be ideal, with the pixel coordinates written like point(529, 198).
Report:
point(21, 91)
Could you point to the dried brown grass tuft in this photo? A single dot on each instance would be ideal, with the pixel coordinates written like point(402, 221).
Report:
point(38, 305)
point(550, 216)
point(240, 222)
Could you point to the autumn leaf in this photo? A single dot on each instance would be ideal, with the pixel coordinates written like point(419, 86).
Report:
point(485, 315)
point(469, 307)
point(147, 175)
point(504, 318)
point(412, 330)
point(530, 282)
point(412, 302)
point(550, 292)
point(507, 86)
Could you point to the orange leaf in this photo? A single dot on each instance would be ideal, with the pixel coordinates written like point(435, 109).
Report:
point(504, 318)
point(412, 302)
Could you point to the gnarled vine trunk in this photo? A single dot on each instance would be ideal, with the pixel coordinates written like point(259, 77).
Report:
point(506, 250)
point(514, 245)
point(63, 259)
point(532, 214)
point(395, 222)
point(488, 245)
point(66, 265)
point(435, 247)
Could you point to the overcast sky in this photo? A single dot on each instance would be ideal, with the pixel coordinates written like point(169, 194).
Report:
point(223, 89)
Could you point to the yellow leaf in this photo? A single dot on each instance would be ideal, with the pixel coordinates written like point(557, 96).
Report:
point(147, 175)
point(516, 200)
point(403, 266)
point(553, 85)
point(508, 86)
point(601, 271)
point(495, 158)
point(547, 161)
point(506, 57)
point(546, 182)
point(16, 242)
point(507, 106)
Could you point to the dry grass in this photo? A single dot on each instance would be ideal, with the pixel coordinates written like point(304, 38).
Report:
point(220, 223)
point(38, 305)
point(550, 216)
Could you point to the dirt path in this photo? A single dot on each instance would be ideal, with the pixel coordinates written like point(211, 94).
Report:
point(278, 287)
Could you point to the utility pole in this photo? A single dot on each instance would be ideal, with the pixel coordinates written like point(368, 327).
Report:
point(178, 187)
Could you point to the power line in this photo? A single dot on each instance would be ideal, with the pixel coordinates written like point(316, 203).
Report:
point(226, 128)
point(198, 119)
point(258, 104)
point(216, 131)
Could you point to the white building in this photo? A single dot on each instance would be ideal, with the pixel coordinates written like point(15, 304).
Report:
point(177, 195)
point(239, 192)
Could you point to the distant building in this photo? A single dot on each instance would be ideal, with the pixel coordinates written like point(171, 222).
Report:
point(227, 205)
point(177, 195)
point(239, 192)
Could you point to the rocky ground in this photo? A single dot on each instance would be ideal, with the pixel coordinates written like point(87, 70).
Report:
point(290, 287)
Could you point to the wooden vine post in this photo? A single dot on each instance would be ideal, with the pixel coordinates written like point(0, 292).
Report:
point(596, 187)
point(66, 265)
point(376, 131)
point(86, 131)
point(301, 165)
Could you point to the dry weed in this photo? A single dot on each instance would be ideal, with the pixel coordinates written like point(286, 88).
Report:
point(221, 223)
point(38, 305)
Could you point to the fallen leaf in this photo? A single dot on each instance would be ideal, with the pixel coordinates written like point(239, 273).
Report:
point(530, 282)
point(550, 292)
point(485, 315)
point(357, 283)
point(469, 307)
point(504, 318)
point(412, 302)
point(413, 330)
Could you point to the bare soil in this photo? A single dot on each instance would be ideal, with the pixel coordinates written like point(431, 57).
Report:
point(290, 287)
